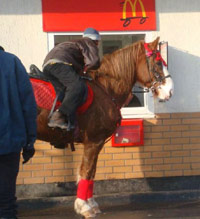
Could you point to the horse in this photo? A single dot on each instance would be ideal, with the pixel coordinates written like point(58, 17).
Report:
point(112, 83)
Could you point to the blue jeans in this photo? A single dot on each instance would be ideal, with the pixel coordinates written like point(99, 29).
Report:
point(9, 168)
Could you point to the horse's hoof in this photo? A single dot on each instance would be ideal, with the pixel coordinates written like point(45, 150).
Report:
point(96, 210)
point(94, 206)
point(83, 217)
point(89, 214)
point(81, 207)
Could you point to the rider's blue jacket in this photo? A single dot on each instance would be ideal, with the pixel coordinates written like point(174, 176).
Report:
point(18, 110)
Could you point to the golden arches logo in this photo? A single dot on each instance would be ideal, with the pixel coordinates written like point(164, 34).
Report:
point(127, 20)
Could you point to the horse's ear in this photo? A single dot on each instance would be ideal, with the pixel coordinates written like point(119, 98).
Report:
point(155, 43)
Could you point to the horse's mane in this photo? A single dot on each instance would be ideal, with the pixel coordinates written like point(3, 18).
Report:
point(117, 70)
point(121, 63)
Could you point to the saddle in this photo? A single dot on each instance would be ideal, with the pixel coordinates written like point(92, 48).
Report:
point(46, 97)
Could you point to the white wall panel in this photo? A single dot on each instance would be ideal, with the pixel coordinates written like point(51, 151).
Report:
point(21, 30)
point(178, 22)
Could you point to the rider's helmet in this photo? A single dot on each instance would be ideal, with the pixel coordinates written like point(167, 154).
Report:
point(92, 34)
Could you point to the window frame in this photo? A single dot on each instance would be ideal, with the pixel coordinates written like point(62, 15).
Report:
point(146, 111)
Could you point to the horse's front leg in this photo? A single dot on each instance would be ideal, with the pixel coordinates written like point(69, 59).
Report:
point(85, 203)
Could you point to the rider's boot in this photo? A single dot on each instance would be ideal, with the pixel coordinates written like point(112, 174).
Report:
point(58, 120)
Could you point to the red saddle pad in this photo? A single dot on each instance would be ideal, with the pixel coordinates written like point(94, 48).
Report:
point(45, 94)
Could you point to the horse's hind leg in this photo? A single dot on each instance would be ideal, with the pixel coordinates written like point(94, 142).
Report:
point(85, 203)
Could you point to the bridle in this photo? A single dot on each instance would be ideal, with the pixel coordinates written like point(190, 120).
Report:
point(158, 78)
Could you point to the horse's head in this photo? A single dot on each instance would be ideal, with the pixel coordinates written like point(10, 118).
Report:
point(152, 71)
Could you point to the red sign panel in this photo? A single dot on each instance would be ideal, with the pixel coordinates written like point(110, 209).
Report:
point(129, 133)
point(104, 15)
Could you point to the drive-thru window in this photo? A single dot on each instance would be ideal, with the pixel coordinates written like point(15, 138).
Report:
point(141, 104)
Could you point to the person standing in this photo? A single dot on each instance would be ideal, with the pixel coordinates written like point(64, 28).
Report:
point(63, 66)
point(17, 128)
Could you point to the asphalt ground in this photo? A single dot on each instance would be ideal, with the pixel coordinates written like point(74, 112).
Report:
point(186, 210)
point(179, 205)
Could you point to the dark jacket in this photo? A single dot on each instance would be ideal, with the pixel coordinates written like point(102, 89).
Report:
point(17, 106)
point(82, 53)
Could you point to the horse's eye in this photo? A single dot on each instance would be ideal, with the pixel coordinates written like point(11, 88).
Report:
point(159, 64)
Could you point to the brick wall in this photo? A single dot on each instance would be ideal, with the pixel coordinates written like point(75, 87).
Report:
point(171, 148)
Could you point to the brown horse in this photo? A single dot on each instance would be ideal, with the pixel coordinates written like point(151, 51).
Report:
point(112, 83)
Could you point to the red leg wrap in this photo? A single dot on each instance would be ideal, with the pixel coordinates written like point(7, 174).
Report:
point(85, 189)
point(82, 189)
point(90, 189)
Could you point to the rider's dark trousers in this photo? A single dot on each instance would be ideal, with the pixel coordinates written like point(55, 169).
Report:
point(9, 168)
point(64, 77)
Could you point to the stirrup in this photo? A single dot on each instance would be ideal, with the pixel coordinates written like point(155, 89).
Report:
point(61, 126)
point(70, 127)
point(70, 124)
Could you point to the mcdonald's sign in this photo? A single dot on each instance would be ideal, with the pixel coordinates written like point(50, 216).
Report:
point(142, 17)
point(104, 15)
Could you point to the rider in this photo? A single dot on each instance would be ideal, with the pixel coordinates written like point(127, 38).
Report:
point(64, 65)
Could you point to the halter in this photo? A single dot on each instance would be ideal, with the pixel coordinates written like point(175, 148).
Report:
point(158, 78)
